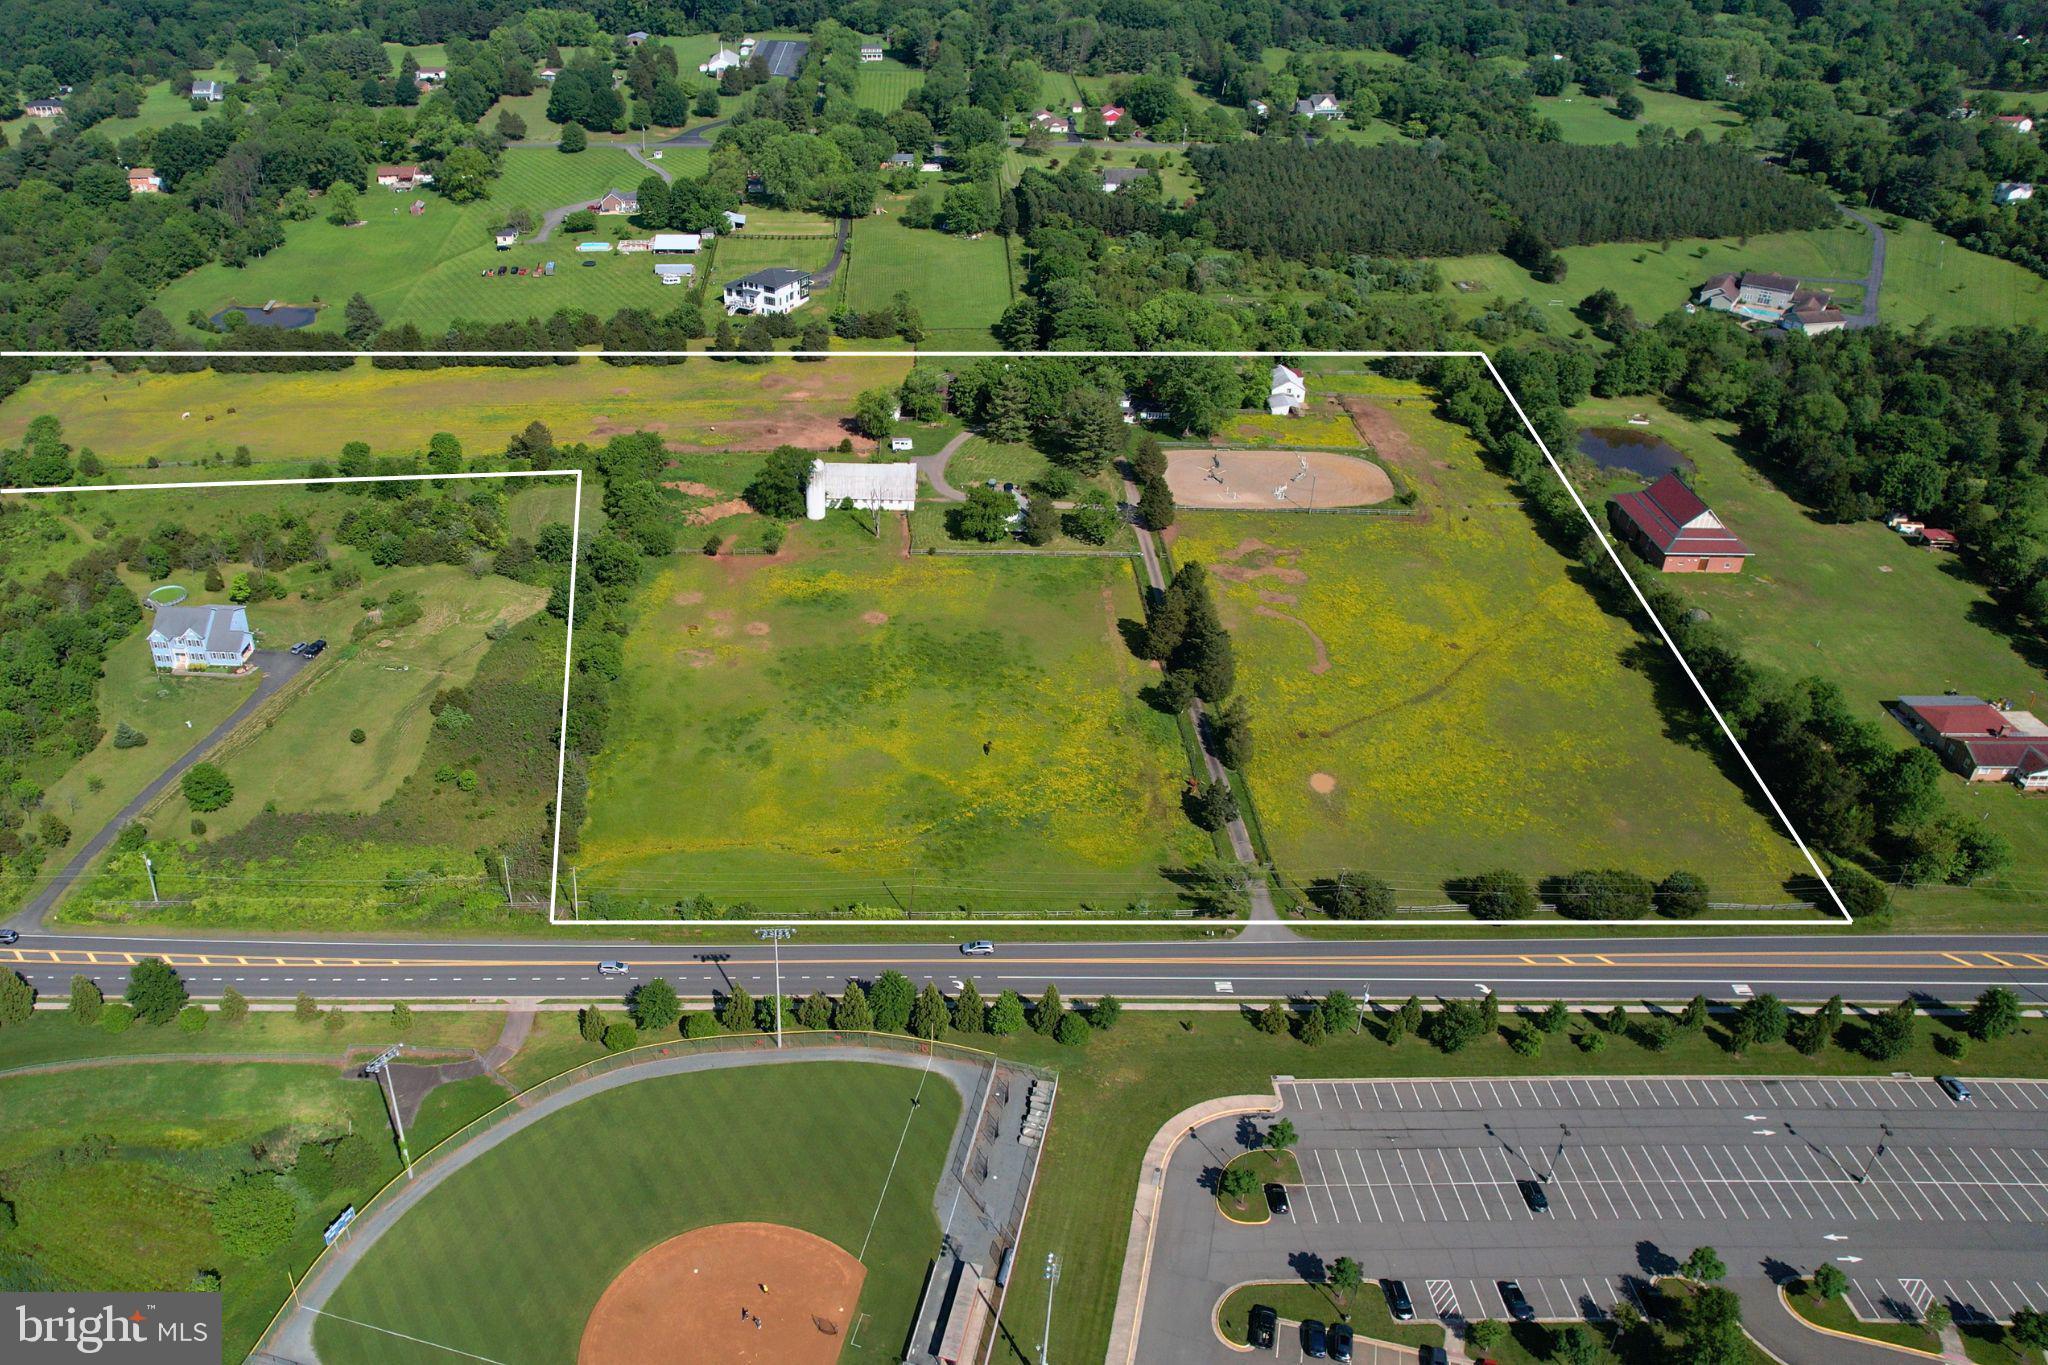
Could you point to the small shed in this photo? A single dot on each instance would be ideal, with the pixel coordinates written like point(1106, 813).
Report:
point(902, 443)
point(505, 237)
point(677, 241)
point(674, 272)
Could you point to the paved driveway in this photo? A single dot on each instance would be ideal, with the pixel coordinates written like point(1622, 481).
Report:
point(1914, 1196)
point(279, 667)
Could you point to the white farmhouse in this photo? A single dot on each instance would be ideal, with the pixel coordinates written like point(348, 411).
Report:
point(777, 289)
point(870, 487)
point(195, 639)
point(1290, 392)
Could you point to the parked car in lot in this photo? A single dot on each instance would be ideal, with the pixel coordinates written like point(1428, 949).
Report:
point(1314, 1343)
point(1958, 1090)
point(1515, 1301)
point(1533, 1196)
point(313, 650)
point(980, 947)
point(1340, 1341)
point(300, 647)
point(611, 969)
point(1276, 1199)
point(1398, 1303)
point(1265, 1326)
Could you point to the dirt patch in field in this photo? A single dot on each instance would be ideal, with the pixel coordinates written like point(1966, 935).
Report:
point(697, 658)
point(1389, 439)
point(757, 627)
point(687, 599)
point(606, 430)
point(1264, 562)
point(813, 430)
point(875, 618)
point(717, 511)
point(693, 488)
point(738, 1292)
point(1278, 599)
point(1322, 784)
point(1269, 480)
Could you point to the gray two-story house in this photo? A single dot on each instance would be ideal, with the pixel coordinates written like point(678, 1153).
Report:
point(198, 639)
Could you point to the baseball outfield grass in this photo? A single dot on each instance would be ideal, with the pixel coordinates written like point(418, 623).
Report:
point(861, 728)
point(1437, 697)
point(507, 1258)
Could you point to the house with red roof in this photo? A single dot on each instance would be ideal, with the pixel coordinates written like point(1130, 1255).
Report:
point(1982, 741)
point(1669, 526)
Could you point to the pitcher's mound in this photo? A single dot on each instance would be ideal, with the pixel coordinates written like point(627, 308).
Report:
point(700, 1297)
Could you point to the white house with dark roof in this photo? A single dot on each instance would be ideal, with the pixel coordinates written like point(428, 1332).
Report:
point(42, 108)
point(871, 52)
point(196, 639)
point(213, 92)
point(1324, 105)
point(1115, 178)
point(777, 289)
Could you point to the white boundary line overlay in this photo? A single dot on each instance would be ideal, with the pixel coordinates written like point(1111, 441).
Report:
point(554, 877)
point(575, 553)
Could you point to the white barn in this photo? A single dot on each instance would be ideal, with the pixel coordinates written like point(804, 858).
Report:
point(887, 487)
point(1290, 392)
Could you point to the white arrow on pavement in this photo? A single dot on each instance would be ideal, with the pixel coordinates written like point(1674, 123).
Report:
point(1764, 1132)
point(1850, 1260)
point(1754, 1118)
point(1834, 1237)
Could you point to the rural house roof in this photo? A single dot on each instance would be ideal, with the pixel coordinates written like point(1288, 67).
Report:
point(1955, 716)
point(1672, 517)
point(774, 277)
point(1123, 175)
point(219, 629)
point(866, 484)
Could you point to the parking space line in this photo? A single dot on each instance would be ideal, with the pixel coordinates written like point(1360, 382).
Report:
point(1962, 1187)
point(1786, 1178)
point(1908, 1154)
point(1608, 1157)
point(1860, 1303)
point(1613, 1209)
point(2013, 1192)
point(1366, 1180)
point(1399, 1216)
point(2020, 1183)
point(1443, 1298)
point(1703, 1181)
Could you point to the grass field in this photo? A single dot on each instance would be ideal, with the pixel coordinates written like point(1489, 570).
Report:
point(884, 85)
point(428, 269)
point(291, 419)
point(833, 1148)
point(1928, 275)
point(1435, 698)
point(854, 721)
point(136, 1216)
point(1584, 119)
point(960, 286)
point(1836, 1315)
point(1856, 605)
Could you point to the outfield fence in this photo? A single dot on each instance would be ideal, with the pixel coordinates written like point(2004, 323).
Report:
point(797, 1040)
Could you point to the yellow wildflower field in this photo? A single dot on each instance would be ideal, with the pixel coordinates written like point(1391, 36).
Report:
point(1436, 697)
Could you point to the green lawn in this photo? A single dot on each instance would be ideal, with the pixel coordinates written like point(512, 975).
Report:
point(1365, 1310)
point(137, 1216)
point(903, 733)
point(960, 286)
point(1857, 605)
point(1928, 274)
point(1835, 1315)
point(289, 420)
point(825, 1148)
point(1584, 119)
point(1459, 699)
point(980, 458)
point(884, 85)
point(53, 1037)
point(1267, 1167)
point(1653, 278)
point(160, 109)
point(429, 269)
point(1989, 1343)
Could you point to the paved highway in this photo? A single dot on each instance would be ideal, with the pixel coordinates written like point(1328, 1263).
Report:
point(1812, 967)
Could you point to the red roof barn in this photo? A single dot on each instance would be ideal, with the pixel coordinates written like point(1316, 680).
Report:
point(1669, 526)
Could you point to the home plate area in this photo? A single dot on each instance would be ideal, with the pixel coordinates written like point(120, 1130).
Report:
point(1270, 479)
point(742, 1292)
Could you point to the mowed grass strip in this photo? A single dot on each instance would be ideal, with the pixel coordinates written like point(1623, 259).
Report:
point(1583, 119)
point(861, 726)
point(428, 268)
point(508, 1257)
point(1436, 698)
point(883, 86)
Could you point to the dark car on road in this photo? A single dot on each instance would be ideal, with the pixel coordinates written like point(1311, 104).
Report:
point(313, 649)
point(1533, 1196)
point(1265, 1326)
point(1340, 1341)
point(1515, 1301)
point(1276, 1199)
point(1314, 1344)
point(9, 936)
point(1398, 1303)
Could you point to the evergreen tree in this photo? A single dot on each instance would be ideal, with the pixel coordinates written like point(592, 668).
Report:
point(970, 1015)
point(1008, 415)
point(852, 1014)
point(1006, 1016)
point(1045, 1015)
point(233, 1008)
point(591, 1023)
point(17, 998)
point(928, 1013)
point(890, 999)
point(816, 1011)
point(86, 1000)
point(736, 1014)
point(654, 1005)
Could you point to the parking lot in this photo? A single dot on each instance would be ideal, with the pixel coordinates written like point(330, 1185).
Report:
point(1914, 1195)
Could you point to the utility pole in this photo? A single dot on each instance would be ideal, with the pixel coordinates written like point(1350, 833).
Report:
point(150, 868)
point(1052, 1284)
point(505, 866)
point(381, 1067)
point(575, 900)
point(775, 937)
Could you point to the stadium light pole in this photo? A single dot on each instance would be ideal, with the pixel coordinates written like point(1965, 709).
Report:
point(775, 937)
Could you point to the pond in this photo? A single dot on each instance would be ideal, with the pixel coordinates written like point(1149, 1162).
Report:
point(1638, 452)
point(284, 316)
